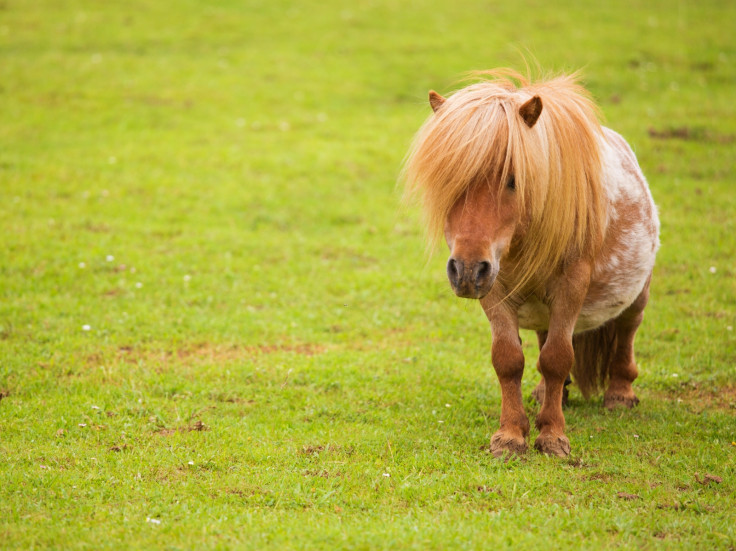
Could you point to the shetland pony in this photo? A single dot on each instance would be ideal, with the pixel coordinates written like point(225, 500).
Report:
point(551, 225)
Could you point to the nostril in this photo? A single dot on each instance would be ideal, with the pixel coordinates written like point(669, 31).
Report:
point(453, 271)
point(483, 271)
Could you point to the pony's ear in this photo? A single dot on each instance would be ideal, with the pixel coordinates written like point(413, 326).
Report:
point(531, 110)
point(435, 100)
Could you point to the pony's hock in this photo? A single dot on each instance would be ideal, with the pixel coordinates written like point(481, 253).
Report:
point(551, 225)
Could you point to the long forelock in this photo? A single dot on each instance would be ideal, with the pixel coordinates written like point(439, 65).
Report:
point(465, 143)
point(476, 137)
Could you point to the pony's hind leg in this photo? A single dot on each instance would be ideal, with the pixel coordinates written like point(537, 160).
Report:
point(622, 370)
point(538, 392)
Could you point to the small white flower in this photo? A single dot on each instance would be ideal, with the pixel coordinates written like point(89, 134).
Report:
point(729, 328)
point(191, 463)
point(636, 436)
point(82, 425)
point(82, 265)
point(440, 421)
point(153, 520)
point(712, 269)
point(387, 475)
point(95, 407)
point(675, 375)
point(138, 285)
point(187, 277)
point(447, 405)
point(86, 327)
point(109, 258)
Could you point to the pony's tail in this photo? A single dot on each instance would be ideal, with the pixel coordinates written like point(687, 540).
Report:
point(594, 351)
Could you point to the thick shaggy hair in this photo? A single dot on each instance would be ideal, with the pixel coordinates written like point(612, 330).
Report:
point(477, 137)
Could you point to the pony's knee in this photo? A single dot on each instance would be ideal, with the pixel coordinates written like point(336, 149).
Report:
point(508, 359)
point(556, 359)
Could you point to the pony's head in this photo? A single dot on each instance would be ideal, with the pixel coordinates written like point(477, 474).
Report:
point(509, 172)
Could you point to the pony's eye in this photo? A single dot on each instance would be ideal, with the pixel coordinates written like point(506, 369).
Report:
point(511, 183)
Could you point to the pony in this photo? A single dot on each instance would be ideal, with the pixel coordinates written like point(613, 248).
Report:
point(551, 226)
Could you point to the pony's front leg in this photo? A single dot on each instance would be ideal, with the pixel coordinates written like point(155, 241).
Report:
point(556, 357)
point(508, 361)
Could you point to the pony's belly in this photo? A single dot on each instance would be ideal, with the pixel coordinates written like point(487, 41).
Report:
point(596, 314)
point(597, 309)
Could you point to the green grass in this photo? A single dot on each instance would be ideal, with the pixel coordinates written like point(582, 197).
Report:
point(271, 362)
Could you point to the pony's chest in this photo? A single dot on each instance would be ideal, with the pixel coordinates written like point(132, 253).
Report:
point(533, 314)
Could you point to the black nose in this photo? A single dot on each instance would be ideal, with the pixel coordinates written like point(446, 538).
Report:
point(471, 279)
point(455, 270)
point(482, 271)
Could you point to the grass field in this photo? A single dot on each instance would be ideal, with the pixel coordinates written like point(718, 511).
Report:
point(219, 328)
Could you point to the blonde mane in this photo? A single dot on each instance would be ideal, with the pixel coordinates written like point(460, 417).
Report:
point(478, 137)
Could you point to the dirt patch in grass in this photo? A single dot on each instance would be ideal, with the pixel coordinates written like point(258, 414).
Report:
point(315, 450)
point(202, 353)
point(197, 426)
point(599, 477)
point(483, 489)
point(232, 398)
point(249, 492)
point(690, 134)
point(672, 506)
point(708, 479)
point(311, 450)
point(700, 397)
point(323, 474)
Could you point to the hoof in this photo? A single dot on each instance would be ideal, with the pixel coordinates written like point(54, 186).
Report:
point(612, 401)
point(552, 444)
point(505, 444)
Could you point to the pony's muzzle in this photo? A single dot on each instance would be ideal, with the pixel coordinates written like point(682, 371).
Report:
point(472, 279)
